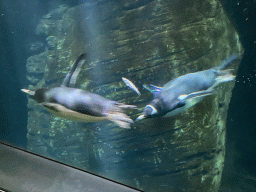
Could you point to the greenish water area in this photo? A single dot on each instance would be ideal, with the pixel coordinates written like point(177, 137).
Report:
point(149, 42)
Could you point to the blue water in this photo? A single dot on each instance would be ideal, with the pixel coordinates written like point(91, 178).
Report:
point(18, 21)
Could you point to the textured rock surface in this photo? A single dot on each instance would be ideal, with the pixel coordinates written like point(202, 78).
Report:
point(148, 42)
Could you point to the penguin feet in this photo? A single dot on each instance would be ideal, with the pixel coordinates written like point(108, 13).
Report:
point(116, 115)
point(124, 106)
point(120, 119)
point(225, 76)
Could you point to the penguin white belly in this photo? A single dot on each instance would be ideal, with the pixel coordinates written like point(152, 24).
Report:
point(189, 103)
point(66, 113)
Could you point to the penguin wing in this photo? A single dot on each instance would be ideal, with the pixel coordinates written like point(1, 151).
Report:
point(155, 90)
point(74, 71)
point(182, 100)
point(196, 94)
point(50, 106)
point(92, 109)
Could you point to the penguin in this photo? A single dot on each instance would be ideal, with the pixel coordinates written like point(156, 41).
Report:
point(80, 105)
point(181, 93)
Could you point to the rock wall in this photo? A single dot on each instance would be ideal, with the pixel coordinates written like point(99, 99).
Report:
point(148, 42)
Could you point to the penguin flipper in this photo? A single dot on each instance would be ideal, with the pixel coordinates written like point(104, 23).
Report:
point(156, 87)
point(74, 71)
point(152, 88)
point(204, 93)
point(155, 90)
point(50, 106)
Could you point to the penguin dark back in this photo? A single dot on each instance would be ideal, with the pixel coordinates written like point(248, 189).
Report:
point(181, 93)
point(63, 101)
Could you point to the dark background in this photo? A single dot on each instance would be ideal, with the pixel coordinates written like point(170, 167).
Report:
point(18, 30)
point(240, 163)
point(18, 21)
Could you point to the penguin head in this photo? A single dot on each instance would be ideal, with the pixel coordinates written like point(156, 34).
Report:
point(154, 109)
point(37, 95)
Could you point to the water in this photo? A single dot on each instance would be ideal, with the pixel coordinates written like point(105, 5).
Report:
point(149, 42)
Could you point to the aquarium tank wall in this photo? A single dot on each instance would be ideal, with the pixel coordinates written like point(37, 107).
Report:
point(124, 55)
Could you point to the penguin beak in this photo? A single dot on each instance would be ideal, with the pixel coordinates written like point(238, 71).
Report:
point(140, 118)
point(28, 91)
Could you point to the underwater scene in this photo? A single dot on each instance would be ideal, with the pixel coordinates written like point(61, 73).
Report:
point(136, 91)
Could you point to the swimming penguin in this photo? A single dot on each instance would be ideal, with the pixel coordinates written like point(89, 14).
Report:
point(80, 105)
point(185, 91)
